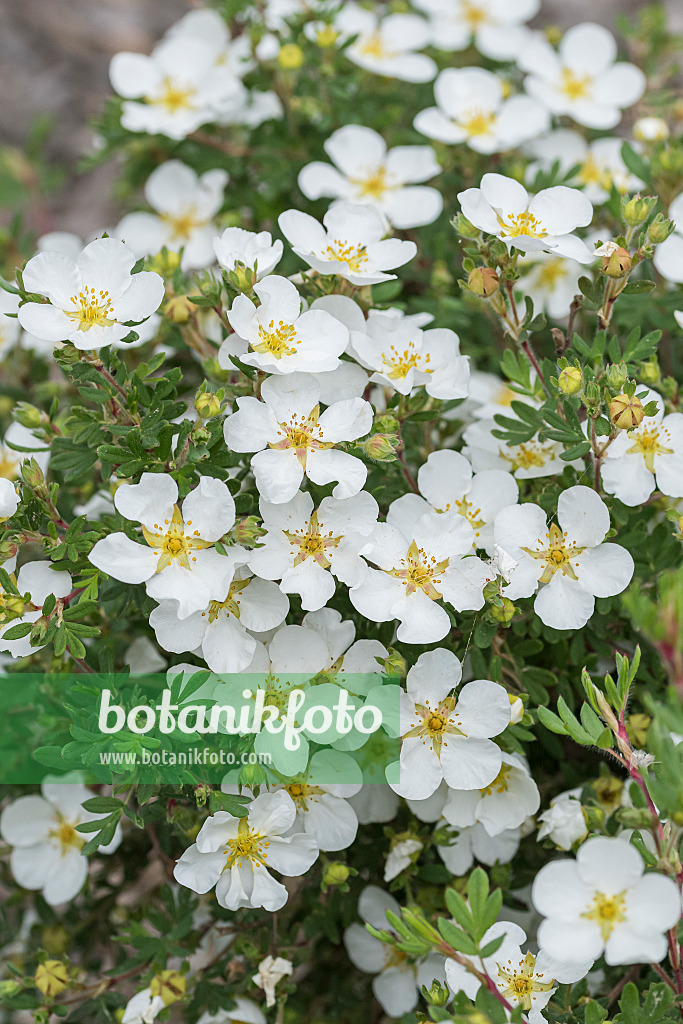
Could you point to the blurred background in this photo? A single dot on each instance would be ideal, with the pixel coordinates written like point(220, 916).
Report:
point(54, 59)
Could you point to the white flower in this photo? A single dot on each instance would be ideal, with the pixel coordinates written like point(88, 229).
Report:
point(46, 848)
point(495, 26)
point(568, 561)
point(9, 499)
point(420, 561)
point(551, 282)
point(178, 87)
point(404, 357)
point(448, 737)
point(282, 339)
point(564, 823)
point(220, 630)
point(668, 258)
point(524, 980)
point(234, 854)
point(582, 79)
point(365, 172)
point(398, 981)
point(648, 457)
point(143, 1008)
point(447, 484)
point(471, 108)
point(600, 164)
point(308, 549)
point(602, 904)
point(400, 856)
point(292, 437)
point(244, 1012)
point(179, 562)
point(184, 204)
point(386, 46)
point(533, 458)
point(502, 804)
point(320, 796)
point(255, 251)
point(270, 972)
point(39, 581)
point(503, 207)
point(474, 843)
point(91, 299)
point(651, 129)
point(351, 243)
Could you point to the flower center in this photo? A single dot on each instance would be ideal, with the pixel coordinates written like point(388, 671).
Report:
point(277, 340)
point(301, 793)
point(173, 543)
point(9, 464)
point(575, 87)
point(433, 725)
point(473, 14)
point(174, 96)
point(373, 45)
point(303, 434)
point(420, 571)
point(518, 224)
point(91, 309)
point(607, 912)
point(374, 183)
point(478, 122)
point(522, 456)
point(400, 363)
point(231, 605)
point(353, 255)
point(472, 515)
point(183, 224)
point(67, 836)
point(500, 784)
point(557, 555)
point(247, 845)
point(592, 174)
point(647, 443)
point(550, 273)
point(519, 981)
point(311, 543)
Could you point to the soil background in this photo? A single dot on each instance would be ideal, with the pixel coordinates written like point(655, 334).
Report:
point(54, 58)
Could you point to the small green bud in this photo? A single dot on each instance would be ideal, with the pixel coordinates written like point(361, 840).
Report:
point(437, 995)
point(28, 415)
point(464, 228)
point(164, 263)
point(335, 873)
point(208, 405)
point(252, 775)
point(380, 447)
point(179, 309)
point(635, 817)
point(32, 474)
point(202, 791)
point(9, 988)
point(570, 380)
point(616, 261)
point(616, 376)
point(385, 423)
point(247, 532)
point(660, 229)
point(483, 281)
point(395, 664)
point(636, 210)
point(650, 373)
point(505, 613)
point(290, 57)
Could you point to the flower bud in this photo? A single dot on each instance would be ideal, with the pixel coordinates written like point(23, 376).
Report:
point(659, 230)
point(164, 263)
point(385, 423)
point(336, 873)
point(179, 309)
point(395, 664)
point(651, 129)
point(626, 413)
point(616, 376)
point(207, 405)
point(570, 380)
point(503, 613)
point(516, 708)
point(380, 447)
point(202, 791)
point(9, 988)
point(290, 57)
point(635, 817)
point(252, 775)
point(51, 978)
point(464, 228)
point(247, 532)
point(649, 373)
point(32, 474)
point(170, 985)
point(28, 415)
point(438, 994)
point(326, 36)
point(617, 263)
point(636, 210)
point(483, 281)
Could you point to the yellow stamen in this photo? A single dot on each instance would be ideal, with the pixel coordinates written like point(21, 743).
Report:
point(91, 309)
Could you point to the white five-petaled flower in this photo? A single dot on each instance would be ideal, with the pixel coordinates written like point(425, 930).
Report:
point(420, 560)
point(350, 242)
point(523, 980)
point(92, 298)
point(234, 854)
point(404, 357)
point(600, 163)
point(533, 458)
point(307, 549)
point(220, 630)
point(46, 848)
point(551, 282)
point(365, 172)
point(291, 437)
point(502, 207)
point(582, 79)
point(181, 85)
point(320, 795)
point(448, 485)
point(649, 456)
point(386, 46)
point(38, 581)
point(495, 26)
point(277, 337)
point(398, 981)
point(500, 805)
point(602, 904)
point(179, 562)
point(448, 736)
point(471, 108)
point(569, 561)
point(184, 204)
point(252, 250)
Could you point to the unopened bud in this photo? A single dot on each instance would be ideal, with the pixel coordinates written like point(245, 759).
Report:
point(32, 474)
point(671, 160)
point(9, 987)
point(207, 405)
point(165, 263)
point(242, 278)
point(616, 376)
point(570, 380)
point(395, 664)
point(616, 263)
point(170, 985)
point(503, 612)
point(28, 415)
point(649, 373)
point(252, 775)
point(636, 210)
point(651, 129)
point(202, 791)
point(247, 532)
point(290, 57)
point(380, 447)
point(626, 413)
point(385, 423)
point(437, 994)
point(51, 978)
point(516, 708)
point(635, 817)
point(660, 229)
point(179, 309)
point(483, 281)
point(336, 873)
point(464, 228)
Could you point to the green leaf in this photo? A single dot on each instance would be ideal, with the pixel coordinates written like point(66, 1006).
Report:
point(456, 937)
